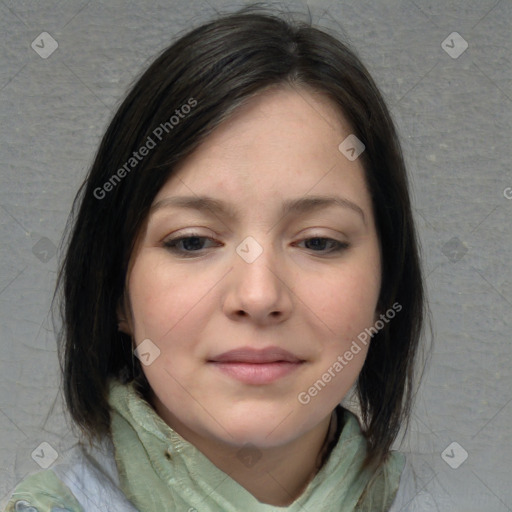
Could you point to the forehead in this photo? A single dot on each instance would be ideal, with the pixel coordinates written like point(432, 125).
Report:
point(281, 116)
point(282, 143)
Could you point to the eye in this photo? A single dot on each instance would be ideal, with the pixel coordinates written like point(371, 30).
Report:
point(194, 243)
point(185, 245)
point(318, 242)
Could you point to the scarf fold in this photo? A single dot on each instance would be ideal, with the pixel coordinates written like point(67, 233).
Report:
point(161, 471)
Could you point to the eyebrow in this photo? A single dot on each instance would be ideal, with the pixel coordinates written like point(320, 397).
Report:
point(301, 205)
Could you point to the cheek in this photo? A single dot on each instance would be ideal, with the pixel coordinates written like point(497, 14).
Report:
point(346, 301)
point(348, 308)
point(166, 309)
point(160, 296)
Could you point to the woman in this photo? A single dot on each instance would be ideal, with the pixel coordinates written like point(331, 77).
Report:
point(210, 377)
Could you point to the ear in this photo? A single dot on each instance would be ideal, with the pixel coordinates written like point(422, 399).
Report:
point(123, 324)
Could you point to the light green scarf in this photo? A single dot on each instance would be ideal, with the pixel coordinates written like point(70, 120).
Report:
point(160, 471)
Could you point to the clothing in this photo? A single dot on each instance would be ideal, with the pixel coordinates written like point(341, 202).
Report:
point(147, 466)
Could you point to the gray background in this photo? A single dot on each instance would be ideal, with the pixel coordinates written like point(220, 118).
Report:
point(454, 116)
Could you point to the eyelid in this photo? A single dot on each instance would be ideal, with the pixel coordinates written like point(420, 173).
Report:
point(301, 236)
point(171, 245)
point(179, 233)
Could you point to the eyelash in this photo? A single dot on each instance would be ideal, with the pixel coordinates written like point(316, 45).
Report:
point(171, 244)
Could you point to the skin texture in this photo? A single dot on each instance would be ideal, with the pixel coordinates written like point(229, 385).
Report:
point(298, 294)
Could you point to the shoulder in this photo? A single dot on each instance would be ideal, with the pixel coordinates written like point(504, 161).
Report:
point(86, 479)
point(42, 492)
point(419, 489)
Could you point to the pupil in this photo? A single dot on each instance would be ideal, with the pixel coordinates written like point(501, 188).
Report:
point(187, 242)
point(316, 242)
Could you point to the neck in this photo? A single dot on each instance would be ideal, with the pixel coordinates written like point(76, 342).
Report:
point(279, 475)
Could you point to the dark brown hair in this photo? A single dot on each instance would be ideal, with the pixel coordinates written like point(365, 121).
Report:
point(216, 67)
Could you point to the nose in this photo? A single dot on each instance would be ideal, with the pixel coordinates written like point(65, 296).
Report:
point(258, 290)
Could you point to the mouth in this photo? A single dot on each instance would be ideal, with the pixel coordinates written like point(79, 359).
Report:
point(257, 367)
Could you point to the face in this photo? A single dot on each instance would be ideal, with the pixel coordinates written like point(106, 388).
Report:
point(250, 303)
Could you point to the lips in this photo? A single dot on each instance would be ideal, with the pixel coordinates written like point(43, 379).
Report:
point(256, 356)
point(256, 367)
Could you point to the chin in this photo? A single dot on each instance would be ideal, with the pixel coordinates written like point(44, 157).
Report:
point(263, 428)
